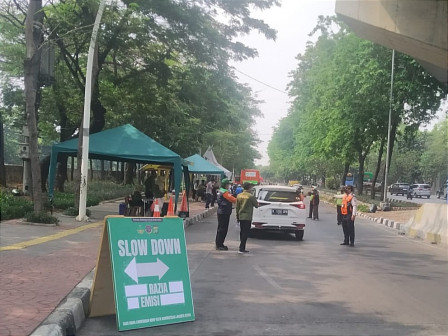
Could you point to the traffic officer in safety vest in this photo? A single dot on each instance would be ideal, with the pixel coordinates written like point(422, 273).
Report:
point(348, 211)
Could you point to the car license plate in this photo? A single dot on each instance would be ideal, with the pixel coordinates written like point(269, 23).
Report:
point(280, 212)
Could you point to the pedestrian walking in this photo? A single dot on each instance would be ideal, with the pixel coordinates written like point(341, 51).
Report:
point(348, 211)
point(214, 195)
point(316, 200)
point(311, 195)
point(225, 201)
point(209, 193)
point(245, 204)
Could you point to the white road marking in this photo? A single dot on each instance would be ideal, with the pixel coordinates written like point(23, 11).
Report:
point(267, 277)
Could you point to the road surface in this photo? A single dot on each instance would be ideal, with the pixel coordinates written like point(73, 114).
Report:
point(386, 285)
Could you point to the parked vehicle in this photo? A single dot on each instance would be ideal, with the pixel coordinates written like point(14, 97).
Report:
point(420, 190)
point(399, 189)
point(280, 209)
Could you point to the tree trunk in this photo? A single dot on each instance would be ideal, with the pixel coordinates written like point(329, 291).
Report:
point(344, 175)
point(103, 172)
point(34, 38)
point(129, 173)
point(72, 167)
point(378, 167)
point(91, 169)
point(359, 183)
point(2, 156)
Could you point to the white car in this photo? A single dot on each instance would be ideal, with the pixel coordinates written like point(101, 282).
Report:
point(279, 209)
point(420, 190)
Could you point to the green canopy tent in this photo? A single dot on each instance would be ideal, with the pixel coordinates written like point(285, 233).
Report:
point(124, 143)
point(198, 165)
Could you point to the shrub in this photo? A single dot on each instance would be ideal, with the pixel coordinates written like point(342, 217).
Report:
point(363, 208)
point(14, 206)
point(332, 183)
point(40, 217)
point(72, 211)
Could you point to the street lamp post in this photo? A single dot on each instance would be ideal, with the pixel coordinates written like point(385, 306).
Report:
point(86, 118)
point(386, 172)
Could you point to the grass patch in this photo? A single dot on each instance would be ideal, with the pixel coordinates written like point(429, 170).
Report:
point(41, 217)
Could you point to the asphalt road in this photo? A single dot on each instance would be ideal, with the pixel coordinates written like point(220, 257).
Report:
point(423, 200)
point(386, 285)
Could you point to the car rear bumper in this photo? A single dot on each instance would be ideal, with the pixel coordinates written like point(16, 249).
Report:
point(273, 227)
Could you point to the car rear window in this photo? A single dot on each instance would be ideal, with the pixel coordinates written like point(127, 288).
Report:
point(278, 196)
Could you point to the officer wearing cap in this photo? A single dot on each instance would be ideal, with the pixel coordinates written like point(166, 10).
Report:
point(225, 200)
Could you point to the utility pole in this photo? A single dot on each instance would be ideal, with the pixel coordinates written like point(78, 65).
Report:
point(86, 118)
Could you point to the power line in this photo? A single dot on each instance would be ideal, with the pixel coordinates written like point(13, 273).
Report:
point(269, 86)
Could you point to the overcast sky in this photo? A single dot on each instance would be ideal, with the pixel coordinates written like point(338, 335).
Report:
point(294, 20)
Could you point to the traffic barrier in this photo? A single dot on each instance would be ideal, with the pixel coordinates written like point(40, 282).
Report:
point(170, 212)
point(429, 223)
point(156, 208)
point(184, 213)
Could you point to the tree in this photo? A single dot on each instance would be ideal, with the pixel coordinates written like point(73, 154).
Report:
point(34, 39)
point(340, 93)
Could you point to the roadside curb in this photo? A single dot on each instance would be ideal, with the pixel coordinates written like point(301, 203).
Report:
point(387, 222)
point(70, 314)
point(191, 220)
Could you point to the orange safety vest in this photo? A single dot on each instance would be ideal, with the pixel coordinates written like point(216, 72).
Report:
point(346, 206)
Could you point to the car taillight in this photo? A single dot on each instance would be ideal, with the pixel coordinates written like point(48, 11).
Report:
point(260, 204)
point(300, 226)
point(300, 205)
point(258, 224)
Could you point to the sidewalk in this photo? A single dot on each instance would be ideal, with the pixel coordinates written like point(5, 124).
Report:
point(40, 264)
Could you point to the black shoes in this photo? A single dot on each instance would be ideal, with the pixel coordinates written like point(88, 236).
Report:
point(243, 251)
point(352, 245)
point(344, 243)
point(222, 248)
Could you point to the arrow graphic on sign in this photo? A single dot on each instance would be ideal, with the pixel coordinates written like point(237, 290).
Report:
point(141, 270)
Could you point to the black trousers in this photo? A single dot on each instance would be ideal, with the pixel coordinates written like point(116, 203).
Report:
point(339, 217)
point(223, 227)
point(348, 226)
point(208, 200)
point(244, 233)
point(316, 211)
point(311, 211)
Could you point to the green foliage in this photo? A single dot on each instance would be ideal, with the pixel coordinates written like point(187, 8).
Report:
point(340, 92)
point(14, 206)
point(40, 217)
point(433, 163)
point(363, 208)
point(72, 211)
point(96, 193)
point(332, 183)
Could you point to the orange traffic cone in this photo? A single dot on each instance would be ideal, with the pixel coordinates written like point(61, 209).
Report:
point(170, 212)
point(184, 207)
point(156, 208)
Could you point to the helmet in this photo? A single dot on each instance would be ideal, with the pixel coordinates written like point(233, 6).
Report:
point(225, 182)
